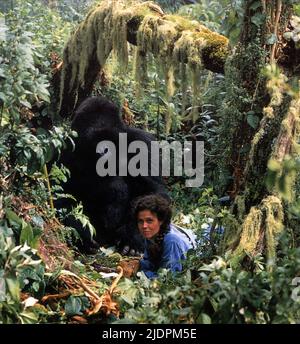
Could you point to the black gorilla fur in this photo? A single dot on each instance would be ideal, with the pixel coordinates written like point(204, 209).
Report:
point(106, 200)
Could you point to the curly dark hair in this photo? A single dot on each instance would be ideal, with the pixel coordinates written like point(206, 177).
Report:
point(157, 205)
point(161, 207)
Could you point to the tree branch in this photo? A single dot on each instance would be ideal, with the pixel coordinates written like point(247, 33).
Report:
point(111, 24)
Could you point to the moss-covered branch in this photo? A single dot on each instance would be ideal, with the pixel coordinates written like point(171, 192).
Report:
point(111, 25)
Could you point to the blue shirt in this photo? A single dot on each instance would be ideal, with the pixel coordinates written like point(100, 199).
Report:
point(175, 245)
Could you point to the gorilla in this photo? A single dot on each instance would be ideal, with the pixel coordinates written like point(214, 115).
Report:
point(106, 199)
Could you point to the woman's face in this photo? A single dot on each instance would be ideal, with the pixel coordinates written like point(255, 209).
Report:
point(148, 223)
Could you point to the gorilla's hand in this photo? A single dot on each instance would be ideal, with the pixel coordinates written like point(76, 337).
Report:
point(131, 242)
point(127, 251)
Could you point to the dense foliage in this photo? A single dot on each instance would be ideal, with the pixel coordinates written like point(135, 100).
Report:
point(35, 260)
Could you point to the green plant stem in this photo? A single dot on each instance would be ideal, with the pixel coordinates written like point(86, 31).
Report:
point(1, 115)
point(48, 187)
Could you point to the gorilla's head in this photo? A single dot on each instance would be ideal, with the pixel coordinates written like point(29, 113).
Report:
point(96, 112)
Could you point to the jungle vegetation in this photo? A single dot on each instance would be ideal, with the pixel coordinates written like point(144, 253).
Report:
point(223, 72)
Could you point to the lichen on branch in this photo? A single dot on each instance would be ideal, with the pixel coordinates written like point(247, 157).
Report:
point(172, 40)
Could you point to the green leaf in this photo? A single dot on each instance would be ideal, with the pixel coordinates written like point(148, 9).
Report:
point(258, 19)
point(37, 232)
point(255, 5)
point(234, 35)
point(288, 35)
point(13, 219)
point(5, 230)
point(38, 220)
point(30, 235)
point(152, 301)
point(272, 39)
point(129, 292)
point(206, 319)
point(13, 287)
point(297, 10)
point(25, 103)
point(57, 143)
point(73, 306)
point(36, 286)
point(203, 319)
point(2, 95)
point(49, 153)
point(26, 235)
point(128, 298)
point(85, 303)
point(28, 317)
point(252, 120)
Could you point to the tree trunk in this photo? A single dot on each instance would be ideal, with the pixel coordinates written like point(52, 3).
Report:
point(258, 111)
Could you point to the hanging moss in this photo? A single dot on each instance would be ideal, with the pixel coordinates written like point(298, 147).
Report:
point(274, 224)
point(158, 36)
point(285, 148)
point(184, 85)
point(268, 117)
point(289, 131)
point(265, 218)
point(276, 84)
point(106, 28)
point(140, 70)
point(121, 16)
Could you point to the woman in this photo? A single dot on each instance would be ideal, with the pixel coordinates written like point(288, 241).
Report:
point(166, 244)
